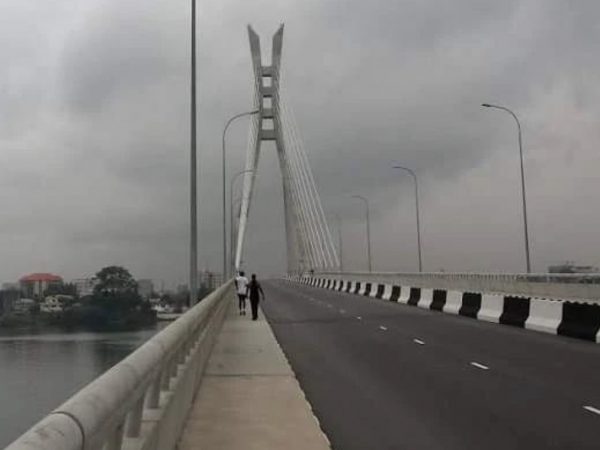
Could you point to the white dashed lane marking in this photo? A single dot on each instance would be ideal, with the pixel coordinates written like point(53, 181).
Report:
point(592, 409)
point(479, 366)
point(418, 341)
point(381, 327)
point(359, 317)
point(343, 311)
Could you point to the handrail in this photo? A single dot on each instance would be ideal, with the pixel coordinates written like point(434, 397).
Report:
point(584, 278)
point(123, 404)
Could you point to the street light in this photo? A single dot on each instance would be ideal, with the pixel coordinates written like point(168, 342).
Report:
point(193, 166)
point(360, 197)
point(414, 176)
point(237, 116)
point(233, 180)
point(525, 226)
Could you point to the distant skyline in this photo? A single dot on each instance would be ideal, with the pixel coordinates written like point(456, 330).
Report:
point(94, 131)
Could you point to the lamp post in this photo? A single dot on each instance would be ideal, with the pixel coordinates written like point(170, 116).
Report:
point(233, 180)
point(366, 202)
point(524, 201)
point(193, 167)
point(414, 177)
point(237, 116)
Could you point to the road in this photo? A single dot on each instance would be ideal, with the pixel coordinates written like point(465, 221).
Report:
point(382, 375)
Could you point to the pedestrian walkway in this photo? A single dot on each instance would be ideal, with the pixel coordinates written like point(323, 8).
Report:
point(249, 397)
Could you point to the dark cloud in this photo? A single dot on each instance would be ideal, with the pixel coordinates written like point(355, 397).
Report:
point(94, 129)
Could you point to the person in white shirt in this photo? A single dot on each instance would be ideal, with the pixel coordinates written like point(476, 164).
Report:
point(241, 287)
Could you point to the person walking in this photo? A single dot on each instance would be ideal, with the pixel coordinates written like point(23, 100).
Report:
point(241, 287)
point(254, 289)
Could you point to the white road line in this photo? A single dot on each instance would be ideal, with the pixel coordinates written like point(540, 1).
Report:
point(479, 366)
point(418, 341)
point(343, 311)
point(592, 409)
point(359, 317)
point(381, 327)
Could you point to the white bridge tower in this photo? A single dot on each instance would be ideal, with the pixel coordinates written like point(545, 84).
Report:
point(309, 243)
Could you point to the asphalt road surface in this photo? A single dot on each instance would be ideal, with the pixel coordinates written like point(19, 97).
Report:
point(382, 375)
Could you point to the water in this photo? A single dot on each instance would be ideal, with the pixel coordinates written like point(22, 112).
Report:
point(40, 371)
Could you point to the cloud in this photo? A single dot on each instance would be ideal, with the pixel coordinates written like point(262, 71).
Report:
point(94, 130)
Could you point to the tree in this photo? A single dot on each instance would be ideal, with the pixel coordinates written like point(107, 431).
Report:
point(116, 290)
point(115, 280)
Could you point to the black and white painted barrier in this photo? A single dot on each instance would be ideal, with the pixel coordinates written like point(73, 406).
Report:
point(566, 317)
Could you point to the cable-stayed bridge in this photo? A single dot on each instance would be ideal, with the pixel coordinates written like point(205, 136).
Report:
point(309, 242)
point(380, 360)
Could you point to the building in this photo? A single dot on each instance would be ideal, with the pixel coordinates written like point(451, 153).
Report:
point(210, 280)
point(84, 286)
point(24, 306)
point(10, 286)
point(8, 297)
point(34, 285)
point(145, 288)
point(181, 288)
point(570, 267)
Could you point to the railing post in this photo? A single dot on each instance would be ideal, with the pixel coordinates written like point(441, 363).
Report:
point(153, 400)
point(134, 419)
point(116, 438)
point(165, 378)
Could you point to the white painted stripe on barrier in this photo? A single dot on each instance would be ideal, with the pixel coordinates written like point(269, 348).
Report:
point(374, 287)
point(453, 302)
point(404, 294)
point(352, 286)
point(491, 307)
point(544, 315)
point(387, 292)
point(363, 287)
point(426, 298)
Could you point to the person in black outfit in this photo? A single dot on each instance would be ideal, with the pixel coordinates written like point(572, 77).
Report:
point(254, 289)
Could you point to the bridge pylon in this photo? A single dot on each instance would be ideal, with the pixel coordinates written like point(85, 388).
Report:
point(307, 235)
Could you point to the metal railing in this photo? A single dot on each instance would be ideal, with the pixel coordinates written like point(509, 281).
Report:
point(143, 401)
point(584, 287)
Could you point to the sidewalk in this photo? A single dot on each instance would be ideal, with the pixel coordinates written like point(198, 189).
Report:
point(249, 397)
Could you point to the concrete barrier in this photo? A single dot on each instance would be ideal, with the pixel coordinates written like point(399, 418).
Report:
point(425, 299)
point(491, 308)
point(580, 320)
point(453, 302)
point(363, 287)
point(544, 315)
point(376, 290)
point(567, 317)
point(143, 401)
point(387, 292)
point(404, 294)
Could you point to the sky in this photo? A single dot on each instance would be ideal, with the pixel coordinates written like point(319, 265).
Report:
point(94, 131)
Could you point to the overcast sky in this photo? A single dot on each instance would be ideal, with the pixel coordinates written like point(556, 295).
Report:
point(94, 144)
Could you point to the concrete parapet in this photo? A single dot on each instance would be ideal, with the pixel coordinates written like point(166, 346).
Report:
point(567, 317)
point(140, 403)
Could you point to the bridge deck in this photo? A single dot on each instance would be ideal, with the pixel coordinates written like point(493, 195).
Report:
point(249, 397)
